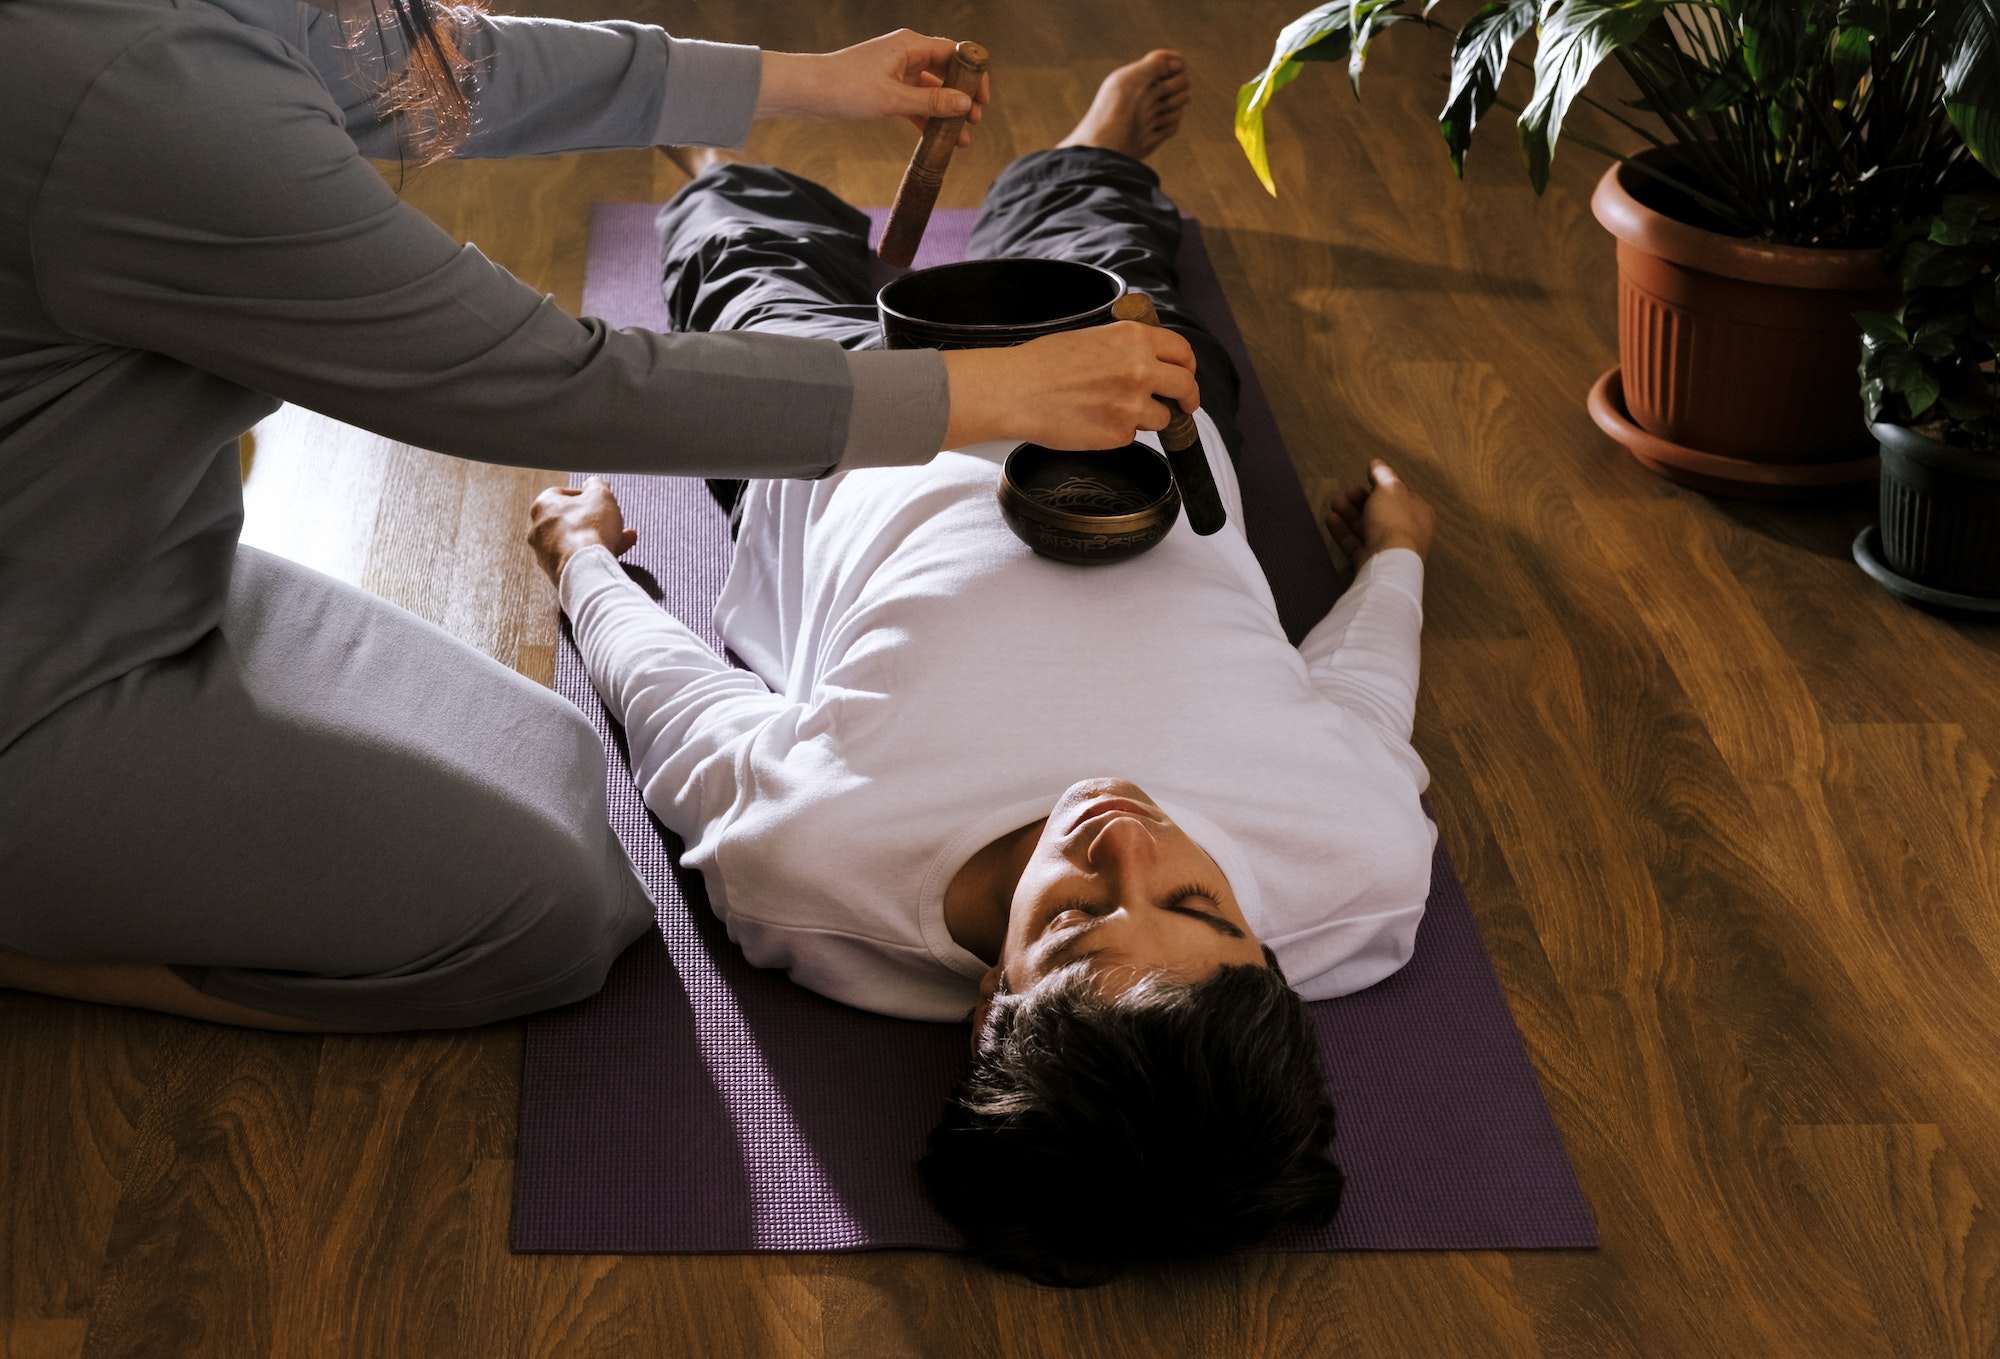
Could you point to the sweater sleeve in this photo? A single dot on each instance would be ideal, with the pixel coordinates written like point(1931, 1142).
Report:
point(1363, 655)
point(539, 86)
point(209, 205)
point(684, 708)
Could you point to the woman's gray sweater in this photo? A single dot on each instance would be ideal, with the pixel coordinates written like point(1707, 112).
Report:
point(189, 234)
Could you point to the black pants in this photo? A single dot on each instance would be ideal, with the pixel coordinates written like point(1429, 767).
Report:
point(751, 247)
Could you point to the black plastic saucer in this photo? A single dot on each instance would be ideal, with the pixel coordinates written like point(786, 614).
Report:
point(1868, 556)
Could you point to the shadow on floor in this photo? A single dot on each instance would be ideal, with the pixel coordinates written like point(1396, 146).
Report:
point(1822, 525)
point(1335, 264)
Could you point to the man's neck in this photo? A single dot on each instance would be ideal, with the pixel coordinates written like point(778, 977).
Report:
point(980, 896)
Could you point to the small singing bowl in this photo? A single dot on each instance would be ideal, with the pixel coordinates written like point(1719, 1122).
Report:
point(1088, 509)
point(986, 304)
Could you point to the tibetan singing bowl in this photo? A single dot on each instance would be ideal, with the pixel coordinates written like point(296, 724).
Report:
point(1088, 508)
point(986, 304)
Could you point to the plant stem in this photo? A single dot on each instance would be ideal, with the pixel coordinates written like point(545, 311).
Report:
point(1720, 209)
point(1582, 98)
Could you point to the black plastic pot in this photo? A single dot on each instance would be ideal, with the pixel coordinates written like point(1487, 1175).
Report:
point(1940, 513)
point(985, 304)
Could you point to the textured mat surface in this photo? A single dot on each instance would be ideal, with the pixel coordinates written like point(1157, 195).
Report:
point(698, 1104)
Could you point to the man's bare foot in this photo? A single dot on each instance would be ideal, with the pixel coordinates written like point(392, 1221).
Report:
point(1137, 107)
point(694, 160)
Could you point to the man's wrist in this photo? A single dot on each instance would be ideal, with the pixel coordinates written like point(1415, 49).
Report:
point(560, 553)
point(1392, 540)
point(575, 547)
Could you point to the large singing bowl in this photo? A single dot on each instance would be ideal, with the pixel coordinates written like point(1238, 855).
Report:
point(987, 304)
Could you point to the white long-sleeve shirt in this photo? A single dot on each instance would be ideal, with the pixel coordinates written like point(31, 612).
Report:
point(921, 683)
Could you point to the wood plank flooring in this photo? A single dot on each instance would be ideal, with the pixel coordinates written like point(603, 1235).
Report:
point(1727, 814)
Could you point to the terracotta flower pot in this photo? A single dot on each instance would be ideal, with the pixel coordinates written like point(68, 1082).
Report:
point(1739, 349)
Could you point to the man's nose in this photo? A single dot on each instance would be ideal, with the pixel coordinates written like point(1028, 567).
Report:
point(1122, 848)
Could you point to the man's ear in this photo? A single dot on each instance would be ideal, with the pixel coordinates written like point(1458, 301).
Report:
point(989, 986)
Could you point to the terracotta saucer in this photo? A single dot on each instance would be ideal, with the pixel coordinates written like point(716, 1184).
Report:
point(1712, 472)
point(1868, 556)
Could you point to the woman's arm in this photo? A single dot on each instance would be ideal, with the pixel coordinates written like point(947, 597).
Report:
point(209, 206)
point(538, 86)
point(898, 75)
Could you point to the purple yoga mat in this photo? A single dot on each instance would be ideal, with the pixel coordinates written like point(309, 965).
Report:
point(699, 1104)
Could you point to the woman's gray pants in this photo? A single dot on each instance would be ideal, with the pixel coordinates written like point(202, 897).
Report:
point(327, 808)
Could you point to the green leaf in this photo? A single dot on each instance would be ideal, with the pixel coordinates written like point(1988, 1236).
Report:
point(1326, 32)
point(1873, 397)
point(1895, 370)
point(1986, 304)
point(1935, 338)
point(1920, 390)
point(1370, 18)
point(1872, 15)
point(1478, 59)
point(1928, 265)
point(1576, 35)
point(1852, 54)
point(1879, 328)
point(1781, 115)
point(1724, 91)
point(1972, 74)
point(1774, 41)
point(1957, 219)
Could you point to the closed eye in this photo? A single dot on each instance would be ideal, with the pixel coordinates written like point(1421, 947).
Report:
point(1180, 900)
point(1070, 912)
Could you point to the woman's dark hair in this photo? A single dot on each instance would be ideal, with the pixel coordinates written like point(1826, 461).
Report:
point(1173, 1120)
point(429, 96)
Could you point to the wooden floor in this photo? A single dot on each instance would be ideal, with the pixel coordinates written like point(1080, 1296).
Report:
point(1727, 814)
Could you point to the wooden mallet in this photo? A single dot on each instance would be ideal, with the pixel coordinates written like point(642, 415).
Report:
point(917, 194)
point(1181, 439)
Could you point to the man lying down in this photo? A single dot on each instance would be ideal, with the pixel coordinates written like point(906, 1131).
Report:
point(1108, 812)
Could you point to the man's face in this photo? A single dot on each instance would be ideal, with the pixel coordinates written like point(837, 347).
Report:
point(1115, 886)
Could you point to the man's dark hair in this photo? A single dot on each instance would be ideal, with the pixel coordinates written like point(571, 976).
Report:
point(1173, 1120)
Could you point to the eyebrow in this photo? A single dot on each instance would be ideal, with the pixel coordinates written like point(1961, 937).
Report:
point(1063, 955)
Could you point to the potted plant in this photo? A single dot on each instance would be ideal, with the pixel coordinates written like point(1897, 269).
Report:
point(1928, 380)
point(1782, 142)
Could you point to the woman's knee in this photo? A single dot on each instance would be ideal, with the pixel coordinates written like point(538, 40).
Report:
point(570, 928)
point(549, 939)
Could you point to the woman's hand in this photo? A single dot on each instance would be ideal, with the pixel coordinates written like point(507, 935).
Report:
point(898, 75)
point(1079, 389)
point(563, 522)
point(1382, 514)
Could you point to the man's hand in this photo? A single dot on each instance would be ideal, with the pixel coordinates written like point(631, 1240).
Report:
point(1382, 514)
point(898, 75)
point(1079, 389)
point(562, 522)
